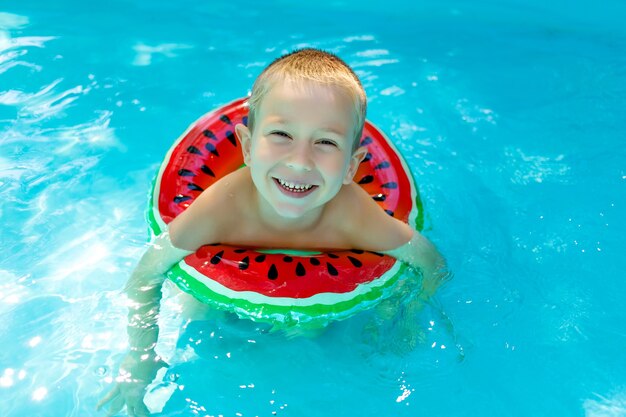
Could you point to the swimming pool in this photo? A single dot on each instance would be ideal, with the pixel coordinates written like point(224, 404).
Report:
point(509, 113)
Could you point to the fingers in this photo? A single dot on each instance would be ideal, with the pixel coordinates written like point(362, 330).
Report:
point(112, 394)
point(136, 407)
point(116, 406)
point(134, 401)
point(114, 400)
point(129, 395)
point(140, 410)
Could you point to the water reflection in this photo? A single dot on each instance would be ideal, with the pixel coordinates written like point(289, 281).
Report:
point(40, 393)
point(146, 53)
point(64, 235)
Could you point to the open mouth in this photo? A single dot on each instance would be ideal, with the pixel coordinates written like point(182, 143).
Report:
point(294, 190)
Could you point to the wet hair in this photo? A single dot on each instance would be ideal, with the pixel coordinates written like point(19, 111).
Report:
point(314, 65)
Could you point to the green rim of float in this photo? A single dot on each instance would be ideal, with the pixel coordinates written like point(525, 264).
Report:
point(215, 274)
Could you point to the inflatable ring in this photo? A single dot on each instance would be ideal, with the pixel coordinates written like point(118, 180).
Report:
point(278, 286)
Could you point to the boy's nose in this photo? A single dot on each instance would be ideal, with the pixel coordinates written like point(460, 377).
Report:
point(300, 158)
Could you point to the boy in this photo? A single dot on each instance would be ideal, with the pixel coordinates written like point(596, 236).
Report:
point(301, 149)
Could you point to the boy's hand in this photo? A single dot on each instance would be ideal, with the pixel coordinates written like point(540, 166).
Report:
point(136, 372)
point(432, 279)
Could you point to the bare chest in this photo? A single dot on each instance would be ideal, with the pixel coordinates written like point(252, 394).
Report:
point(250, 231)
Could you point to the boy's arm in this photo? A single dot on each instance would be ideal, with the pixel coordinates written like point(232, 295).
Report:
point(144, 291)
point(421, 253)
point(199, 224)
point(140, 365)
point(370, 228)
point(184, 235)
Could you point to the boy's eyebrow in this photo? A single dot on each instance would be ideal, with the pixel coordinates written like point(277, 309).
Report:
point(331, 129)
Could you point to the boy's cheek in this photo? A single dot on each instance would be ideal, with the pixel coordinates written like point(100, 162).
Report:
point(264, 153)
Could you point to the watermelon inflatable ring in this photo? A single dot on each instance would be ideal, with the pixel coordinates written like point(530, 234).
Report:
point(282, 287)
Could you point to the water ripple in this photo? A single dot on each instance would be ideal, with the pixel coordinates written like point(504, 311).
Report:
point(526, 169)
point(12, 21)
point(613, 405)
point(145, 53)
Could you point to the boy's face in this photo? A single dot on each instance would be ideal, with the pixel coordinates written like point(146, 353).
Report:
point(300, 153)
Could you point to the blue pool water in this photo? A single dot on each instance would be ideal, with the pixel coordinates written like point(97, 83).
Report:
point(511, 115)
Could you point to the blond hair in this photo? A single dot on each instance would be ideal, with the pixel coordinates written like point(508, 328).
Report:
point(312, 65)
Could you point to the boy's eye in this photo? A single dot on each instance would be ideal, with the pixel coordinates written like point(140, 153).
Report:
point(280, 133)
point(327, 142)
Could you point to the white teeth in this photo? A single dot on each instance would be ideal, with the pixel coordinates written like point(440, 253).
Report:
point(294, 187)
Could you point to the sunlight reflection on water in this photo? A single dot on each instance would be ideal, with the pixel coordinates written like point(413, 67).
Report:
point(525, 206)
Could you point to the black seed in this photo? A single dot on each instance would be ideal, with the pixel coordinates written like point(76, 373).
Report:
point(194, 150)
point(366, 179)
point(300, 271)
point(216, 259)
point(332, 255)
point(367, 157)
point(314, 261)
point(331, 269)
point(211, 148)
point(207, 170)
point(225, 119)
point(239, 250)
point(214, 244)
point(260, 258)
point(357, 251)
point(244, 263)
point(209, 134)
point(272, 273)
point(180, 198)
point(376, 253)
point(194, 187)
point(384, 164)
point(245, 120)
point(366, 141)
point(389, 212)
point(389, 185)
point(355, 261)
point(379, 197)
point(287, 258)
point(231, 138)
point(185, 173)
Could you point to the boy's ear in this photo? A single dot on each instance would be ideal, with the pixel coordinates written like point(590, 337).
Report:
point(355, 160)
point(243, 134)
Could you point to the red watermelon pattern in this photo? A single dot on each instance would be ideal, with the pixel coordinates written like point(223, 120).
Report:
point(278, 286)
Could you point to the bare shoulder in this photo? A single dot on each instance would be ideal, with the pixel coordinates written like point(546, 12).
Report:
point(209, 216)
point(366, 225)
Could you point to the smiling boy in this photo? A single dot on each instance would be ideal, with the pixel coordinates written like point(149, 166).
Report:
point(301, 149)
point(296, 190)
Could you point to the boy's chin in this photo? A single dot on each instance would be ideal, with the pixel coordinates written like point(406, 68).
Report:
point(290, 213)
point(293, 211)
